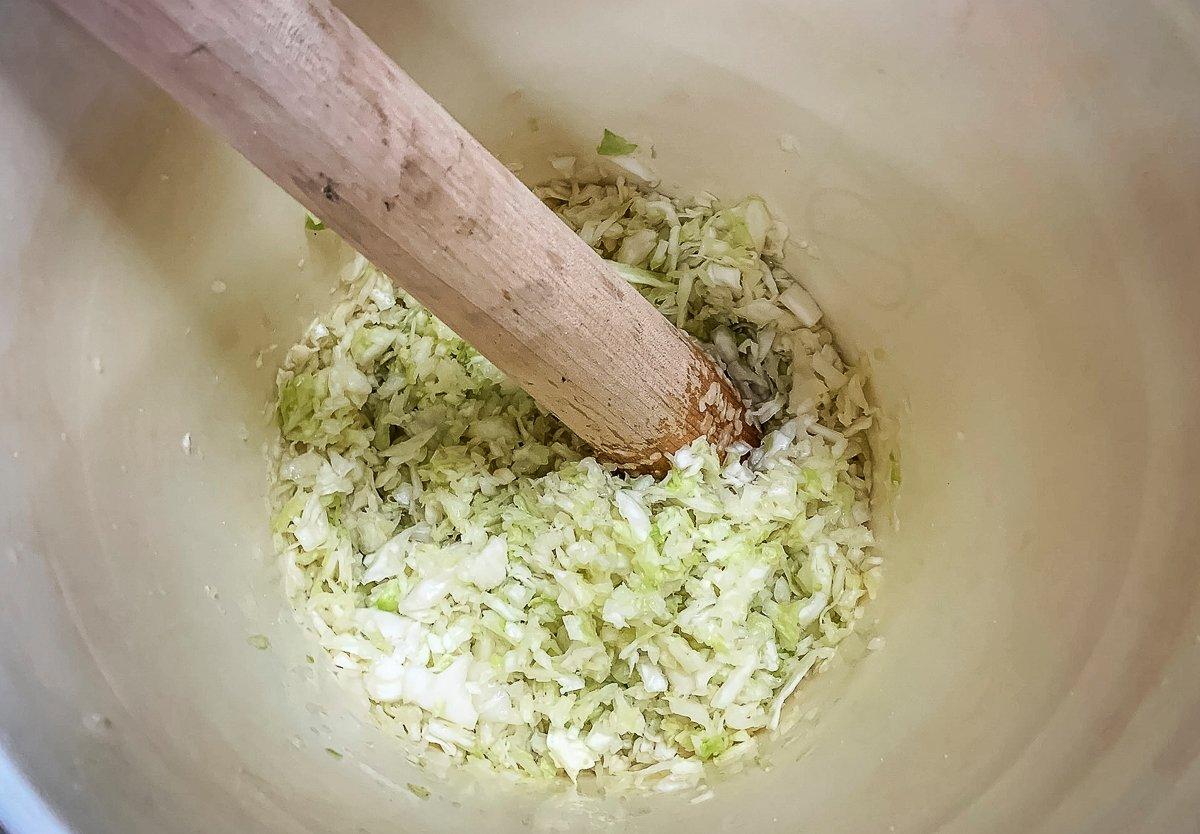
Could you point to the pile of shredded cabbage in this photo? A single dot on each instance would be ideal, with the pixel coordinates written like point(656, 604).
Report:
point(505, 599)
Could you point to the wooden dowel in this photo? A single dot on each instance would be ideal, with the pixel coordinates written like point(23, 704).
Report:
point(303, 94)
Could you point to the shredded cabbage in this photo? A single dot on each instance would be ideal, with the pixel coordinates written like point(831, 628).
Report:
point(506, 599)
point(613, 145)
point(313, 223)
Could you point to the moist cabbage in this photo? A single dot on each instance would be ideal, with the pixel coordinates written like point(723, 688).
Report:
point(506, 600)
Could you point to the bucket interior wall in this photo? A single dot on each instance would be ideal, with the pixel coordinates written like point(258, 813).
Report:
point(996, 201)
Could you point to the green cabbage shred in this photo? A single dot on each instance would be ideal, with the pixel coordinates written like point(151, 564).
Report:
point(613, 145)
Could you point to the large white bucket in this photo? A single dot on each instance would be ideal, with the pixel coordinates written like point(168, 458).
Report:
point(1001, 202)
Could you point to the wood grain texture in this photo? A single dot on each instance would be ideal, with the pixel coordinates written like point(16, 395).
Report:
point(303, 94)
